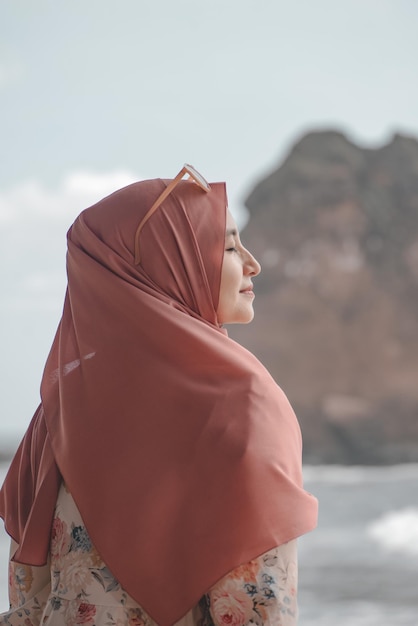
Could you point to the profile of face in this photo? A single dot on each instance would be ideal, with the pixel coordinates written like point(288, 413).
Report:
point(236, 294)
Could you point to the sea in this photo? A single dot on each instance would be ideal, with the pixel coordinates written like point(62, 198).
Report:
point(360, 566)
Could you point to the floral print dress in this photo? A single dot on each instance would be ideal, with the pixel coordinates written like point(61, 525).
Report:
point(77, 588)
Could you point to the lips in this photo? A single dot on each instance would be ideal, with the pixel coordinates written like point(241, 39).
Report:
point(248, 290)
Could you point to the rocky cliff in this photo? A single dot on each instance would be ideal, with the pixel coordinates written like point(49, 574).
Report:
point(335, 228)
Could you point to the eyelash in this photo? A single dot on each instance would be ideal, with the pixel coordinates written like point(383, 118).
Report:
point(231, 250)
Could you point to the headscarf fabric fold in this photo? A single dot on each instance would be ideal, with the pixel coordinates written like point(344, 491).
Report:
point(179, 449)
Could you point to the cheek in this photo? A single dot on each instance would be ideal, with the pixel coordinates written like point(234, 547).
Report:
point(226, 287)
point(223, 289)
point(230, 276)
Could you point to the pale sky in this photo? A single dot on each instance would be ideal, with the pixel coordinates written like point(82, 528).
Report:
point(95, 94)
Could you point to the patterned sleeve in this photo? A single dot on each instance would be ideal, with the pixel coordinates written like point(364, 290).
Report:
point(25, 581)
point(262, 592)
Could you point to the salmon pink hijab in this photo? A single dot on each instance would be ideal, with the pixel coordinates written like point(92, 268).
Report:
point(181, 452)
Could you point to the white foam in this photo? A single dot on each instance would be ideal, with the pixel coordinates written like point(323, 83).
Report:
point(397, 531)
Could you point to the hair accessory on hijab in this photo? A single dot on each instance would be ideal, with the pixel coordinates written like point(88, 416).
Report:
point(194, 175)
point(181, 452)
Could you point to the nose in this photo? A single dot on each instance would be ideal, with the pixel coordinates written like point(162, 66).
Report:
point(251, 266)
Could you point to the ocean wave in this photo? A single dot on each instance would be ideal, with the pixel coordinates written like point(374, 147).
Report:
point(353, 474)
point(397, 531)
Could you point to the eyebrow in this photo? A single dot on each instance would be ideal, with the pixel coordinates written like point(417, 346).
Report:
point(231, 231)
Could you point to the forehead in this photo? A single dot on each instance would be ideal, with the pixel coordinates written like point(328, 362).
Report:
point(230, 223)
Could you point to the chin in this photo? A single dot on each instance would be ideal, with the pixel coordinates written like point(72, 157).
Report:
point(247, 321)
point(241, 318)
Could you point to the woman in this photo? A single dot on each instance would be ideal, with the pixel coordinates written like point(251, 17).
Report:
point(160, 478)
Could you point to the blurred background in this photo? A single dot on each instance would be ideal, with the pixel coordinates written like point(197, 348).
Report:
point(309, 111)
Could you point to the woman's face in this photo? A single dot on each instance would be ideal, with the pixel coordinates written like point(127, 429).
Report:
point(236, 291)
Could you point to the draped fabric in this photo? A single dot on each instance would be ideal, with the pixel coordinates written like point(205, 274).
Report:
point(181, 452)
